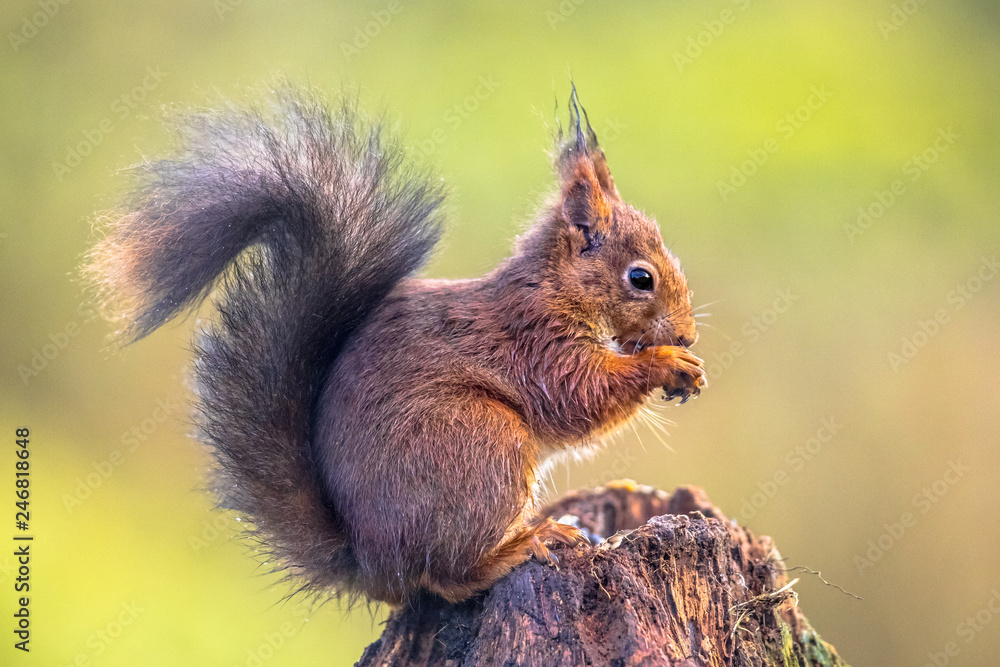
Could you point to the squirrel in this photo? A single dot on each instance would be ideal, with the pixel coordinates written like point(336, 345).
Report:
point(383, 433)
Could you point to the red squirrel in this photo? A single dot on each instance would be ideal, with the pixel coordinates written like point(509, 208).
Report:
point(383, 433)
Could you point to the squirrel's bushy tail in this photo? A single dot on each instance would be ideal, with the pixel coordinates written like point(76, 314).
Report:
point(302, 220)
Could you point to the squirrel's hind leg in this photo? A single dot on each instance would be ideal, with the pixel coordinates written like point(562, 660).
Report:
point(516, 549)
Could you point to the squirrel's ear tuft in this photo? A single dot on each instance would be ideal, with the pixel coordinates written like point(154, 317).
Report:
point(586, 185)
point(579, 148)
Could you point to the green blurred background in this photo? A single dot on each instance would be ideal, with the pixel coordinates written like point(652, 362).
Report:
point(878, 470)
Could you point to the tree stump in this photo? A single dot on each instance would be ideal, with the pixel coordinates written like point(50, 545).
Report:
point(674, 583)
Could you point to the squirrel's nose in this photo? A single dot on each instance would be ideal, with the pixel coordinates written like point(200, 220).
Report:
point(689, 339)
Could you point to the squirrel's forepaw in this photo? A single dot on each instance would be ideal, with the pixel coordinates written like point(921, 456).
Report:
point(688, 379)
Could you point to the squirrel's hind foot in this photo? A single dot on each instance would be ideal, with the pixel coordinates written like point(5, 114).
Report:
point(529, 542)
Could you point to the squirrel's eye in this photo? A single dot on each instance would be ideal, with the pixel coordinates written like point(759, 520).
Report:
point(641, 279)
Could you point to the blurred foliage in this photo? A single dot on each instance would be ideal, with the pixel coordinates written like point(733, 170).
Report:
point(807, 304)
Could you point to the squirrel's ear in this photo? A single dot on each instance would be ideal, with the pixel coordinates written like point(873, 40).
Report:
point(584, 204)
point(585, 181)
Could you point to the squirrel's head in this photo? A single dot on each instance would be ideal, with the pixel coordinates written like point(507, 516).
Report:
point(609, 268)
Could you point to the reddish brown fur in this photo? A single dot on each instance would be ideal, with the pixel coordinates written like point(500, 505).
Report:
point(436, 416)
point(428, 405)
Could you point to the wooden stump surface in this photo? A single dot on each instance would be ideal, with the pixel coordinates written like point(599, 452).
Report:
point(674, 583)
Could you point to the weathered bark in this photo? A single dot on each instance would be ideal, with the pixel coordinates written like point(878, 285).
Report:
point(683, 586)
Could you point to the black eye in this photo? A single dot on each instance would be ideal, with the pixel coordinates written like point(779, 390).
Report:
point(641, 279)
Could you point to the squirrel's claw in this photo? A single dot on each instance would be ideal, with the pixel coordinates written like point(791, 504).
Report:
point(553, 531)
point(542, 553)
point(685, 394)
